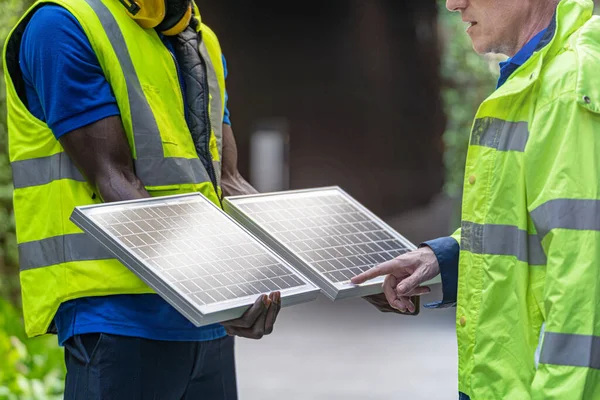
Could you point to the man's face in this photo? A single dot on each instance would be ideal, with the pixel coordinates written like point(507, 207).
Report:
point(493, 25)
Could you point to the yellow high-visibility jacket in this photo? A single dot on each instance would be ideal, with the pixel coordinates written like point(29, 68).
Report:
point(530, 235)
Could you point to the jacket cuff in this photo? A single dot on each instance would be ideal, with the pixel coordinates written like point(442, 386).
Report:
point(447, 251)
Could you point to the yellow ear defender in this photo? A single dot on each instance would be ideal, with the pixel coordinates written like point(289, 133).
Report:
point(169, 17)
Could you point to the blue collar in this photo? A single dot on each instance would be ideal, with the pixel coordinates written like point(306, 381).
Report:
point(512, 64)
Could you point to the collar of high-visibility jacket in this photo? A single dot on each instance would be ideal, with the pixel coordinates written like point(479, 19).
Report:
point(570, 16)
point(536, 43)
point(510, 65)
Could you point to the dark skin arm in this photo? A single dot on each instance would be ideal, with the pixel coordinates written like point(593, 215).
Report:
point(232, 182)
point(101, 152)
point(260, 319)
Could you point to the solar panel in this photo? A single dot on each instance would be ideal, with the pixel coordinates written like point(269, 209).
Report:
point(192, 254)
point(325, 233)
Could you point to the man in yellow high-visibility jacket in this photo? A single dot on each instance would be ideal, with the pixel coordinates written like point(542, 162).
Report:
point(526, 262)
point(114, 100)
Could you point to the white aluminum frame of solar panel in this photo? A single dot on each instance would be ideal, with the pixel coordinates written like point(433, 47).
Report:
point(166, 286)
point(334, 289)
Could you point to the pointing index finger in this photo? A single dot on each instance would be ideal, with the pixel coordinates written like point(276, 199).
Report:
point(385, 268)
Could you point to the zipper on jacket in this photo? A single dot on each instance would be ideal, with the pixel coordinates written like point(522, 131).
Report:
point(208, 156)
point(211, 168)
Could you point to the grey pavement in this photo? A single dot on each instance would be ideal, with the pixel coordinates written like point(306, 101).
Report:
point(349, 350)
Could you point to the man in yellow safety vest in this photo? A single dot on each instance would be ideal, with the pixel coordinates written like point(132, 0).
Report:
point(113, 100)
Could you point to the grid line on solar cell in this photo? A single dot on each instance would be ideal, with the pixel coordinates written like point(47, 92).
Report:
point(229, 264)
point(334, 236)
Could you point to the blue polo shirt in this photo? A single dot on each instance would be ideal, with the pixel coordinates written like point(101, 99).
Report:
point(447, 249)
point(66, 87)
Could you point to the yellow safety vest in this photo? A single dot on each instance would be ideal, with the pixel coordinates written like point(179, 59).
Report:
point(58, 262)
point(530, 235)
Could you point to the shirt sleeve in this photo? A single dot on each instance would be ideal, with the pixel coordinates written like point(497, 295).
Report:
point(226, 117)
point(447, 251)
point(65, 85)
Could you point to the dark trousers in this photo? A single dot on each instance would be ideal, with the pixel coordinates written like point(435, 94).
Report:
point(103, 366)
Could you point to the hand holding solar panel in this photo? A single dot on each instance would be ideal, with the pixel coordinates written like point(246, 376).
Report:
point(403, 278)
point(258, 320)
point(213, 266)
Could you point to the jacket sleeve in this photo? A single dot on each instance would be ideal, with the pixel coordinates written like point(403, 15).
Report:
point(446, 250)
point(456, 235)
point(562, 170)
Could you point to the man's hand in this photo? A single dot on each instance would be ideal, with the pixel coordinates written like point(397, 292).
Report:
point(405, 274)
point(258, 320)
point(380, 302)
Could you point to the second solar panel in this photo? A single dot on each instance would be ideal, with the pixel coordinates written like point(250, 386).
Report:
point(325, 232)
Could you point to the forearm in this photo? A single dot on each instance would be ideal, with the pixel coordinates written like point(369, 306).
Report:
point(236, 185)
point(101, 152)
point(232, 182)
point(120, 186)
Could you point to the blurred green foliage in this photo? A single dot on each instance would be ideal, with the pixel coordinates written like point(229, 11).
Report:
point(467, 79)
point(11, 11)
point(30, 369)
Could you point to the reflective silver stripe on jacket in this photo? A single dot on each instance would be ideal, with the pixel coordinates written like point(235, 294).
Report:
point(571, 350)
point(500, 135)
point(504, 240)
point(575, 214)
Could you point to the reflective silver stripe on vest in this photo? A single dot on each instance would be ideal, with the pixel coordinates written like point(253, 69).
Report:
point(504, 240)
point(145, 130)
point(60, 249)
point(571, 350)
point(174, 171)
point(500, 135)
point(41, 171)
point(151, 166)
point(216, 104)
point(567, 214)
